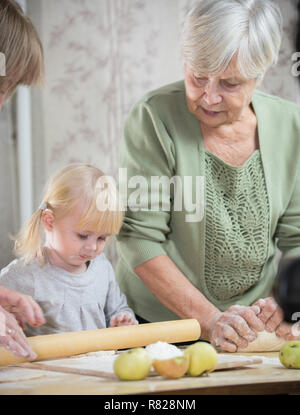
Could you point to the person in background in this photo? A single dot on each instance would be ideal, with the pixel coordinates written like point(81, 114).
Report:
point(62, 264)
point(218, 267)
point(24, 65)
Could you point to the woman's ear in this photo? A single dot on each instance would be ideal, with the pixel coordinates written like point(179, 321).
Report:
point(260, 79)
point(48, 219)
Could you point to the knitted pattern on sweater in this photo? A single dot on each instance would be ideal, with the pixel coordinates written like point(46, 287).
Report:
point(237, 225)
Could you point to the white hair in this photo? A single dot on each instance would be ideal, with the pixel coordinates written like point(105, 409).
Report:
point(217, 30)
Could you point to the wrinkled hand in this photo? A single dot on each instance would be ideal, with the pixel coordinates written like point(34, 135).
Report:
point(122, 319)
point(12, 337)
point(22, 306)
point(272, 317)
point(15, 310)
point(235, 328)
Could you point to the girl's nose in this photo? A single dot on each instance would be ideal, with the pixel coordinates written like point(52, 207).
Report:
point(91, 245)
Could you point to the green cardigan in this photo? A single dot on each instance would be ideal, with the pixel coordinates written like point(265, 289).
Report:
point(162, 138)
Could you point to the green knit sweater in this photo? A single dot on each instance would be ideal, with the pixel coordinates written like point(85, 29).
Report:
point(162, 138)
point(237, 225)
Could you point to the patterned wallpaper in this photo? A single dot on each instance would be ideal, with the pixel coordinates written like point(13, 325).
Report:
point(102, 56)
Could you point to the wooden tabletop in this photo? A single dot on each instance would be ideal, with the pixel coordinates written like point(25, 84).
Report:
point(263, 378)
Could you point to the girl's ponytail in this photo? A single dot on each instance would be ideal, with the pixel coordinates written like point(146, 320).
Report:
point(28, 242)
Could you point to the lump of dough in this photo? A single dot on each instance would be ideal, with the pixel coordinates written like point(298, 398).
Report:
point(264, 342)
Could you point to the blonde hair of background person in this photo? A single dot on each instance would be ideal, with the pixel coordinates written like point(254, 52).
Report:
point(24, 64)
point(62, 263)
point(22, 48)
point(74, 184)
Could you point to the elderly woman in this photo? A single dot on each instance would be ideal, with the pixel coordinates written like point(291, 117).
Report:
point(22, 49)
point(219, 268)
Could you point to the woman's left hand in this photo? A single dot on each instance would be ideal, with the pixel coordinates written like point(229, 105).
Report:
point(123, 319)
point(272, 317)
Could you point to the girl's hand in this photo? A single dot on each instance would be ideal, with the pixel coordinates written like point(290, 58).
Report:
point(272, 316)
point(12, 337)
point(123, 319)
point(22, 306)
point(235, 327)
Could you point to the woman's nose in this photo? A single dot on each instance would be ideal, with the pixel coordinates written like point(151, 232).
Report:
point(211, 93)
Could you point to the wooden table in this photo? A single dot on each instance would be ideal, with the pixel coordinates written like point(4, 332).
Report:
point(257, 379)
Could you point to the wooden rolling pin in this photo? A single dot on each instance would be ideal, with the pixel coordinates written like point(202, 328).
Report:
point(53, 346)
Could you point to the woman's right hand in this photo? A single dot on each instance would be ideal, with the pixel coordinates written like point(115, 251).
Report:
point(235, 327)
point(12, 337)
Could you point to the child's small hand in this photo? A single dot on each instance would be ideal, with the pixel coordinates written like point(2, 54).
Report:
point(123, 319)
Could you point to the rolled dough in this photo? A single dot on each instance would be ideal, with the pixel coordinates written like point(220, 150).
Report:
point(12, 375)
point(264, 342)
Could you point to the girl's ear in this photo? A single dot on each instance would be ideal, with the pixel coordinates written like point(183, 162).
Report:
point(48, 219)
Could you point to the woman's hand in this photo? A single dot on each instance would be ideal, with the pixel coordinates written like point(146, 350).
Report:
point(15, 310)
point(22, 306)
point(235, 327)
point(272, 317)
point(12, 337)
point(123, 319)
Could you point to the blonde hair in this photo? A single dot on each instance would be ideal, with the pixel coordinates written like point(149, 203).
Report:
point(22, 48)
point(76, 183)
point(217, 30)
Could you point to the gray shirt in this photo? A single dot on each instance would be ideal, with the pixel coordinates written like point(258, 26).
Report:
point(70, 302)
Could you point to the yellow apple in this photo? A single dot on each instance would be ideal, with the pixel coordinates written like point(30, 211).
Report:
point(134, 364)
point(203, 358)
point(289, 354)
point(172, 368)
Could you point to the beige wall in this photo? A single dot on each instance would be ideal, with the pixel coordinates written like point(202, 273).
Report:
point(103, 55)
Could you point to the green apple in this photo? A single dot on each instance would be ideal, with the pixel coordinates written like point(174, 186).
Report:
point(203, 358)
point(172, 368)
point(134, 364)
point(289, 354)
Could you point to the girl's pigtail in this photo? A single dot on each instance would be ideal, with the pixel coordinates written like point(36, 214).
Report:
point(28, 242)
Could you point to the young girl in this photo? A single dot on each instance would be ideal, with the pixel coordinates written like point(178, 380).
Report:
point(62, 264)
